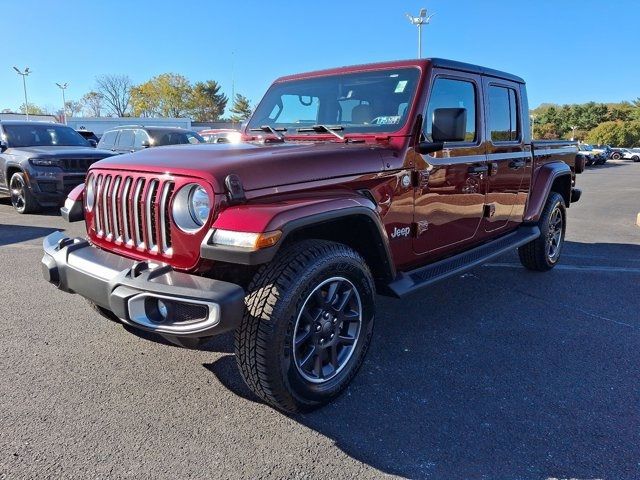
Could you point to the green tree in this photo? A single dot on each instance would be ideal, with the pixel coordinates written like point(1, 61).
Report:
point(207, 103)
point(619, 134)
point(33, 109)
point(241, 109)
point(545, 131)
point(165, 95)
point(144, 100)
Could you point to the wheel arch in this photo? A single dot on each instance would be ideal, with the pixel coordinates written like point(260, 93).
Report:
point(10, 170)
point(358, 227)
point(551, 177)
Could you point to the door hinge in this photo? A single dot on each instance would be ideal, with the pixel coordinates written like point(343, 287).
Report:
point(420, 179)
point(489, 210)
point(418, 228)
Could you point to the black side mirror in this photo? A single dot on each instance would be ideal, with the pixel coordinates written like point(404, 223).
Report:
point(93, 143)
point(449, 125)
point(3, 146)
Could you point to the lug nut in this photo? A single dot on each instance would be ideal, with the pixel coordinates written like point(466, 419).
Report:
point(332, 335)
point(318, 327)
point(326, 315)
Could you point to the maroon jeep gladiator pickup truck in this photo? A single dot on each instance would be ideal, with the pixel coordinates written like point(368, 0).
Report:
point(380, 178)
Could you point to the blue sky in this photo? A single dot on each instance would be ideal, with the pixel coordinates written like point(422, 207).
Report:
point(567, 50)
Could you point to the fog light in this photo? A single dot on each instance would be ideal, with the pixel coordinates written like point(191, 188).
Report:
point(163, 309)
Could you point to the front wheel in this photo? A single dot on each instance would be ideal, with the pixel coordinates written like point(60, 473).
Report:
point(635, 158)
point(543, 253)
point(307, 325)
point(21, 197)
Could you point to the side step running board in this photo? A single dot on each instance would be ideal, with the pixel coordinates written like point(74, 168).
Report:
point(407, 282)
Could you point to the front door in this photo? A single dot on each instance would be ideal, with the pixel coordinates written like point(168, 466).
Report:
point(450, 186)
point(509, 159)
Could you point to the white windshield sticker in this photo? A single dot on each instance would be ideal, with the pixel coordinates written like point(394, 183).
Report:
point(402, 84)
point(390, 120)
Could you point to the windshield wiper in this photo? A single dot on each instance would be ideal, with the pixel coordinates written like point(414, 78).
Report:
point(270, 129)
point(332, 129)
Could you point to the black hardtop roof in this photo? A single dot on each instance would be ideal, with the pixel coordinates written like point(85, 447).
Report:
point(477, 69)
point(420, 62)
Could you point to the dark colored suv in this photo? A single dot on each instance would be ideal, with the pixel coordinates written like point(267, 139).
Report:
point(131, 138)
point(40, 163)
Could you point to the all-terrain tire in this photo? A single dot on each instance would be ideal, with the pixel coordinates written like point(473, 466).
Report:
point(541, 254)
point(278, 298)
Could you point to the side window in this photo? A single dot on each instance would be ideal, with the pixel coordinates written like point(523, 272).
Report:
point(448, 93)
point(126, 139)
point(108, 139)
point(140, 136)
point(503, 114)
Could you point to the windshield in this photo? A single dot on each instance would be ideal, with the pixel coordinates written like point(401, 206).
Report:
point(169, 137)
point(38, 135)
point(365, 102)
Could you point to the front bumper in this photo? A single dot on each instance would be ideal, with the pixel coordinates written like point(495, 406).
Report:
point(192, 306)
point(51, 189)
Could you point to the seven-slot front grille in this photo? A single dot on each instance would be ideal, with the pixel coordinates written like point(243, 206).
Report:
point(134, 211)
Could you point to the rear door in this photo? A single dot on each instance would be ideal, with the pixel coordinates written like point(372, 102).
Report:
point(125, 141)
point(508, 157)
point(451, 184)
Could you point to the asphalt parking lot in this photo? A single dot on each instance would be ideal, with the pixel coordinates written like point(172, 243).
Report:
point(500, 374)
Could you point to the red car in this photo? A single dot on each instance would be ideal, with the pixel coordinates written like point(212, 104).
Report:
point(380, 178)
point(221, 135)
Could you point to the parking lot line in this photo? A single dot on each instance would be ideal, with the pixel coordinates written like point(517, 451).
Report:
point(583, 268)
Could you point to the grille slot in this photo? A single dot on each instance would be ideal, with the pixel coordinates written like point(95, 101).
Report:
point(124, 209)
point(134, 211)
point(150, 215)
point(165, 230)
point(104, 206)
point(137, 213)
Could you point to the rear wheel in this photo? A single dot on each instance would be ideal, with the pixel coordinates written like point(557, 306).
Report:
point(543, 253)
point(21, 197)
point(615, 156)
point(635, 158)
point(307, 325)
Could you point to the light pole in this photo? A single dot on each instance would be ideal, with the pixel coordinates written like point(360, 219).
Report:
point(24, 84)
point(419, 21)
point(63, 87)
point(573, 133)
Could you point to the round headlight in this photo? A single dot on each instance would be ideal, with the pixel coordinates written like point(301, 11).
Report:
point(199, 205)
point(90, 192)
point(191, 207)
